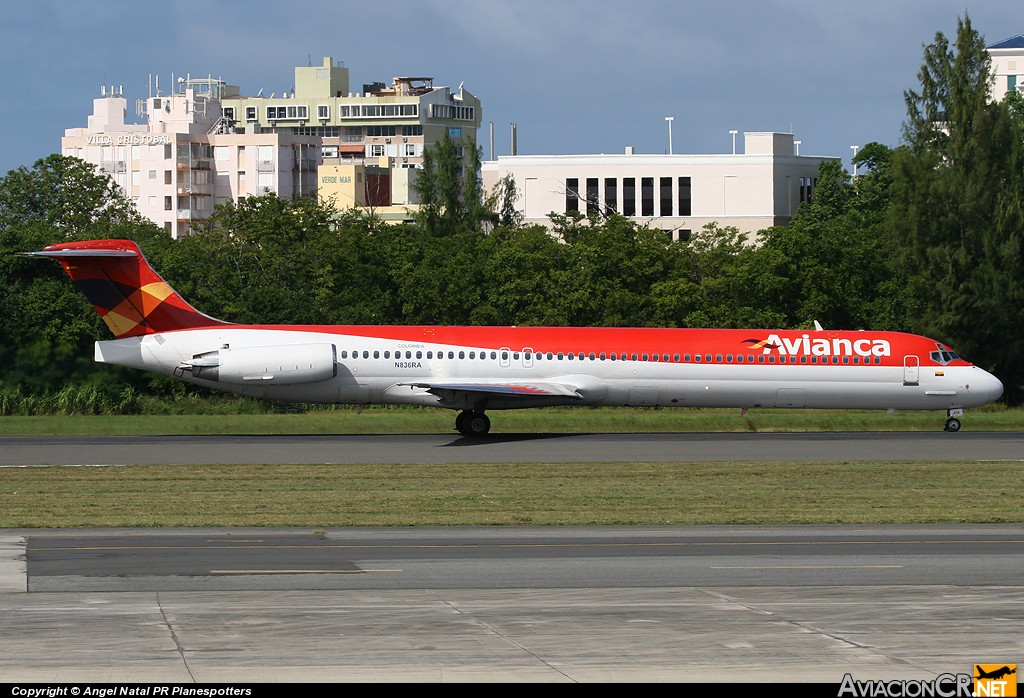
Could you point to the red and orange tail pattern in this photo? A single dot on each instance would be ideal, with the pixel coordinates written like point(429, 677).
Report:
point(130, 297)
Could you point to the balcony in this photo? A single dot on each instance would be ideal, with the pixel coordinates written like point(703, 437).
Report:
point(193, 189)
point(187, 163)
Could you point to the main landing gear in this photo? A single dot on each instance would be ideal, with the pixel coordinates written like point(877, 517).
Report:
point(470, 423)
point(953, 423)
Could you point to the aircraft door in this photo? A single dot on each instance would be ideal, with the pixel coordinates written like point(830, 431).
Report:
point(504, 357)
point(527, 357)
point(911, 370)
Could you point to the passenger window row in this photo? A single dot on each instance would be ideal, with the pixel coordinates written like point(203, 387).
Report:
point(613, 356)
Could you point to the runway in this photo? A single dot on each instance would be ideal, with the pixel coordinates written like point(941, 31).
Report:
point(704, 604)
point(557, 605)
point(517, 448)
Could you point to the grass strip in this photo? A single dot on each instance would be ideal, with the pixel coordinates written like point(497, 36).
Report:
point(411, 420)
point(322, 496)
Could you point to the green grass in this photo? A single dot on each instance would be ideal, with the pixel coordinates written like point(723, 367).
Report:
point(324, 496)
point(320, 496)
point(410, 420)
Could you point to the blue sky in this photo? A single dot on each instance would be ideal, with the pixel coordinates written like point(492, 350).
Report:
point(576, 76)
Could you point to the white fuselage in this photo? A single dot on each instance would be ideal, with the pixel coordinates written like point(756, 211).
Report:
point(368, 370)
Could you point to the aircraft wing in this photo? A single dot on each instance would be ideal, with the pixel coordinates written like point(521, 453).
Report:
point(448, 391)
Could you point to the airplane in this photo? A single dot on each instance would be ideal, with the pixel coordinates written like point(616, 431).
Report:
point(995, 674)
point(475, 369)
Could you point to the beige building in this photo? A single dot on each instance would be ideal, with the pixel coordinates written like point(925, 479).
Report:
point(752, 190)
point(396, 121)
point(377, 187)
point(1007, 66)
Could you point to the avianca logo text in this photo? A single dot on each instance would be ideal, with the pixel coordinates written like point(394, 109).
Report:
point(820, 346)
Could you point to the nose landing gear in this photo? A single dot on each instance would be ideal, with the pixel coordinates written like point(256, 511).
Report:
point(953, 423)
point(472, 423)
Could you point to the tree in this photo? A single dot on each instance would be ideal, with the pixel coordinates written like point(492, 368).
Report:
point(263, 259)
point(46, 326)
point(836, 255)
point(449, 190)
point(958, 208)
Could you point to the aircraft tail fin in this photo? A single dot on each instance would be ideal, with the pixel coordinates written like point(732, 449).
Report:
point(130, 297)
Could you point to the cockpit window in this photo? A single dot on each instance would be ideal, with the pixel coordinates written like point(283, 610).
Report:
point(943, 355)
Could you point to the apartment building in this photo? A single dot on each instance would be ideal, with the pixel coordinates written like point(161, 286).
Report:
point(204, 143)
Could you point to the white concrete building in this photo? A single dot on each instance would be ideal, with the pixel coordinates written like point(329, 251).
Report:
point(1007, 66)
point(680, 194)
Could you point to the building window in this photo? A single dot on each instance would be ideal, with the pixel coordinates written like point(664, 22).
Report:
point(665, 187)
point(448, 111)
point(629, 196)
point(611, 195)
point(455, 132)
point(323, 112)
point(572, 195)
point(647, 196)
point(685, 197)
point(380, 131)
point(806, 188)
point(376, 151)
point(250, 113)
point(593, 204)
point(229, 113)
point(321, 131)
point(414, 130)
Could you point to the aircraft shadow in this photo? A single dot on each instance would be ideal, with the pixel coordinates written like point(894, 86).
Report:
point(495, 439)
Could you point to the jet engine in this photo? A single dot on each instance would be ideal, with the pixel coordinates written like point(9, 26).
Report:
point(287, 364)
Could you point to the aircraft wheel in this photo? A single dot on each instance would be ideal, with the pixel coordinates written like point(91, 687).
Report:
point(473, 423)
point(952, 424)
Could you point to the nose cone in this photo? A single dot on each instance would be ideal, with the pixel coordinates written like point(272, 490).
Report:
point(985, 387)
